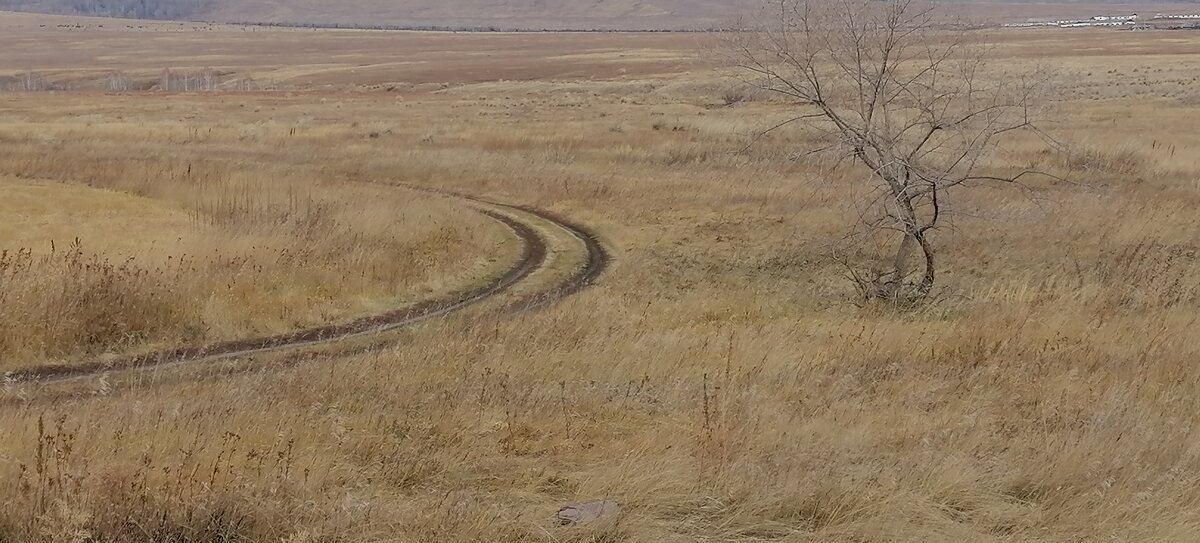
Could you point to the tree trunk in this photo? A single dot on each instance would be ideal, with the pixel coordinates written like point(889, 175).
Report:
point(902, 268)
point(927, 280)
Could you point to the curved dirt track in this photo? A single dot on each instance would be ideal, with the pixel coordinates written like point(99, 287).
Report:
point(533, 256)
point(593, 267)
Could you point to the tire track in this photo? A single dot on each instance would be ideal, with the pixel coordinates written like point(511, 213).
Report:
point(596, 264)
point(534, 254)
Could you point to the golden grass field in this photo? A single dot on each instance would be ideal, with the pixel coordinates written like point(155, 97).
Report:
point(720, 383)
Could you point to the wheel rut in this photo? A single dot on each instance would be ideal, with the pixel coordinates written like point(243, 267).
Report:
point(533, 256)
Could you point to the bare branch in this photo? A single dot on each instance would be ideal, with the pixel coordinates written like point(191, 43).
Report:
point(916, 106)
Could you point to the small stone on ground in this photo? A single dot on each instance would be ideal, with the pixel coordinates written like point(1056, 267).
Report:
point(584, 511)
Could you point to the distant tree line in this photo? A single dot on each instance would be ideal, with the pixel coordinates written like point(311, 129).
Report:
point(193, 10)
point(461, 28)
point(169, 80)
point(132, 9)
point(26, 82)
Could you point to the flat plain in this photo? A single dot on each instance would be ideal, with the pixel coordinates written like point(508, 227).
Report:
point(535, 15)
point(719, 381)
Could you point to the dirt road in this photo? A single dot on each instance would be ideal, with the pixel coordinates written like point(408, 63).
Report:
point(534, 255)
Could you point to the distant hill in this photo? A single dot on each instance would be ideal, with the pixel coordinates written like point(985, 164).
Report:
point(132, 9)
point(513, 14)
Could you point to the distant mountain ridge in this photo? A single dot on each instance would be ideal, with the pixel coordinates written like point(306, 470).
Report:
point(508, 14)
point(131, 9)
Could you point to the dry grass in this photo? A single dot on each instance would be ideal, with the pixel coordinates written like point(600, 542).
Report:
point(718, 384)
point(567, 14)
point(288, 59)
point(206, 244)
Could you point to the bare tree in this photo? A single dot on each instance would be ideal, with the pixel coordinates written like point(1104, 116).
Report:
point(30, 81)
point(247, 84)
point(165, 80)
point(903, 96)
point(117, 82)
point(207, 80)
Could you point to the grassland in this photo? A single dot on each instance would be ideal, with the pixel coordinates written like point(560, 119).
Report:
point(539, 14)
point(301, 59)
point(719, 383)
point(157, 234)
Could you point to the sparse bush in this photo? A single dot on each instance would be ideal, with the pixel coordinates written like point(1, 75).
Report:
point(69, 302)
point(60, 495)
point(737, 94)
point(1123, 160)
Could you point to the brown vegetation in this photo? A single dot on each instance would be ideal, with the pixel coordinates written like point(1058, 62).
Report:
point(242, 249)
point(718, 383)
point(525, 14)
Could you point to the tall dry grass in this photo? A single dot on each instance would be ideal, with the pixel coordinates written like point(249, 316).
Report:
point(719, 383)
point(269, 248)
